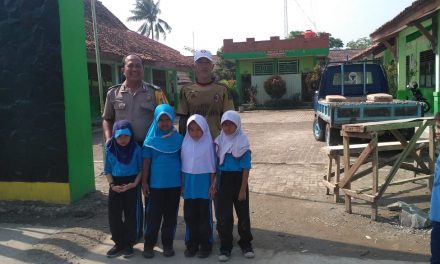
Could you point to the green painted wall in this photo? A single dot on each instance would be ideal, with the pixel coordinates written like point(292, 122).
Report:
point(246, 66)
point(288, 53)
point(411, 43)
point(76, 94)
point(307, 64)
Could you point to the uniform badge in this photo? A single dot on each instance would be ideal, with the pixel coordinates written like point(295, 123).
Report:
point(216, 98)
point(149, 97)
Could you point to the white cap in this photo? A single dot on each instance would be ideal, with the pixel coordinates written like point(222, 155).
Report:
point(202, 54)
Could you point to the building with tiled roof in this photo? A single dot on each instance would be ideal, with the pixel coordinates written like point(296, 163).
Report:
point(410, 43)
point(116, 41)
point(343, 54)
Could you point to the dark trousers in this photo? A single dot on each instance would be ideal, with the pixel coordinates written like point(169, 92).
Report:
point(435, 243)
point(122, 213)
point(139, 214)
point(162, 204)
point(198, 219)
point(229, 188)
point(139, 208)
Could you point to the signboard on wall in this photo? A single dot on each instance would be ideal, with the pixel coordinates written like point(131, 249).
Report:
point(275, 53)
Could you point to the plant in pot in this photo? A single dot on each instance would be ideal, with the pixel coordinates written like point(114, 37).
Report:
point(275, 86)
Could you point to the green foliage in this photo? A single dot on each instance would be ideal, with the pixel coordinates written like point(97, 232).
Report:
point(313, 77)
point(275, 86)
point(295, 33)
point(148, 11)
point(391, 71)
point(335, 43)
point(361, 43)
point(250, 94)
point(224, 69)
point(232, 88)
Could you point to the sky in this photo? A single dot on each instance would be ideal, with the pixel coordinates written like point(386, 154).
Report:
point(203, 24)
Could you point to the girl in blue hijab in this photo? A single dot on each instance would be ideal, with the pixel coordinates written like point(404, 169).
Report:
point(161, 180)
point(123, 169)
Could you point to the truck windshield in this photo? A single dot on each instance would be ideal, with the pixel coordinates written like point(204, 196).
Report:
point(353, 78)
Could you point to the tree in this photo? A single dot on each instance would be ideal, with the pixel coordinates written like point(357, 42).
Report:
point(361, 43)
point(225, 69)
point(334, 43)
point(295, 33)
point(148, 11)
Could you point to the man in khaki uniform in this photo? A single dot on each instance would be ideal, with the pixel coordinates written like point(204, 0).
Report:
point(134, 100)
point(205, 97)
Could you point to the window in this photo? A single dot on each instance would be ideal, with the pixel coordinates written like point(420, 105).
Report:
point(352, 78)
point(427, 69)
point(407, 70)
point(288, 67)
point(263, 68)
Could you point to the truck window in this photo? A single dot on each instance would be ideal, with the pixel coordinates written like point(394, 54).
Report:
point(353, 78)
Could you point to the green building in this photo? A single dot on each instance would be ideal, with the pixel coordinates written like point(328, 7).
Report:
point(409, 43)
point(292, 59)
point(161, 63)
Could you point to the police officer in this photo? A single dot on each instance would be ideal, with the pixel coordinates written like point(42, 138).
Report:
point(204, 97)
point(134, 100)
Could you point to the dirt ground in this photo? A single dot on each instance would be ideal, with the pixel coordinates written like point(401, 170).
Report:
point(289, 208)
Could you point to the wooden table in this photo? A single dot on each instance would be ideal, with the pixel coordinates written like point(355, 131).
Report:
point(369, 154)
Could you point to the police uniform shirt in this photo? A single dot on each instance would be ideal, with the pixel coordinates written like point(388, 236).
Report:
point(137, 108)
point(209, 101)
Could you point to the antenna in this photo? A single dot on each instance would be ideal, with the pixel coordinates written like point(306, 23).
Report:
point(286, 24)
point(312, 23)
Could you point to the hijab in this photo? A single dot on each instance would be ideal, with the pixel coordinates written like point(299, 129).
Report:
point(198, 155)
point(237, 144)
point(169, 141)
point(123, 154)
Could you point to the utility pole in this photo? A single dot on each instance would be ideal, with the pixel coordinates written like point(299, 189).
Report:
point(286, 25)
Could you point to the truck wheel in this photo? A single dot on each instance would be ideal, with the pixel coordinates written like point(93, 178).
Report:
point(318, 129)
point(332, 136)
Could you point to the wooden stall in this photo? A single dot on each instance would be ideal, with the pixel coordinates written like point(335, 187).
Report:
point(369, 154)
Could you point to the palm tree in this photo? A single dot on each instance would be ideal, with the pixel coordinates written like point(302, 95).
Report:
point(147, 11)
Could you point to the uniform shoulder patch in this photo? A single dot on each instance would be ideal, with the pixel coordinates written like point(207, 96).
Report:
point(155, 87)
point(114, 87)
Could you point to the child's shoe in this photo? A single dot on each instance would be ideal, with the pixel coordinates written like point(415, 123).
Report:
point(148, 253)
point(224, 256)
point(248, 252)
point(128, 252)
point(203, 253)
point(189, 253)
point(114, 252)
point(168, 252)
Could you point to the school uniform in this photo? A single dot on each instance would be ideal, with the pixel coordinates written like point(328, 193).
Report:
point(234, 156)
point(198, 164)
point(230, 179)
point(124, 164)
point(163, 149)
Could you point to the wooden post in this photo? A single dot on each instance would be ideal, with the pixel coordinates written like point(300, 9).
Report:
point(346, 143)
point(375, 163)
point(337, 176)
point(329, 172)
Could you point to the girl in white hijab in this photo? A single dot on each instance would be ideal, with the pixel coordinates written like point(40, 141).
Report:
point(198, 170)
point(233, 151)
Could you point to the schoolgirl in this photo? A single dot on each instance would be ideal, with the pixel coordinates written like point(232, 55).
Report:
point(161, 180)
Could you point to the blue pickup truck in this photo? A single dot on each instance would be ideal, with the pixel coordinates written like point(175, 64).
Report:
point(355, 92)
